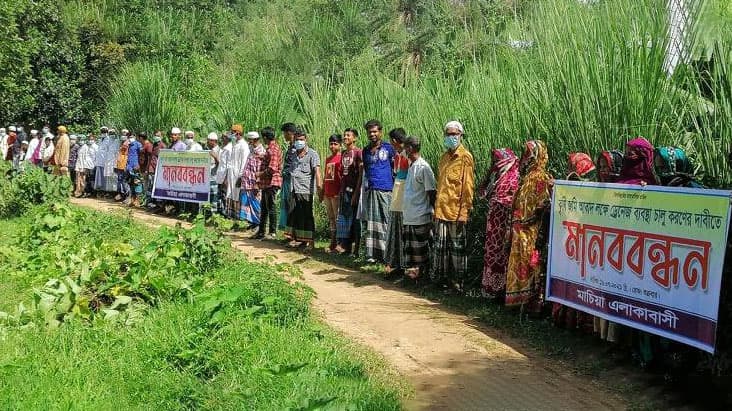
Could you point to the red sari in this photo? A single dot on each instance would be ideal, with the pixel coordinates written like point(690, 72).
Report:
point(499, 187)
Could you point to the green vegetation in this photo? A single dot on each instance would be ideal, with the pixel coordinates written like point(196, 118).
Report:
point(580, 75)
point(100, 311)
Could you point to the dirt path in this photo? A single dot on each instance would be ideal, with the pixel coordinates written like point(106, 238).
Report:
point(451, 362)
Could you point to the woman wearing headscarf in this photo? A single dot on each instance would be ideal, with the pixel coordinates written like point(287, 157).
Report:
point(580, 168)
point(673, 168)
point(609, 163)
point(638, 163)
point(523, 277)
point(499, 188)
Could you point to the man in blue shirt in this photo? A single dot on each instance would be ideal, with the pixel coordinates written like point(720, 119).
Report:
point(134, 178)
point(378, 179)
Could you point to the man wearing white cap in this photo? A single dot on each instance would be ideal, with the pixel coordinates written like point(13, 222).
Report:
point(191, 143)
point(250, 196)
point(176, 143)
point(47, 151)
point(212, 143)
point(239, 156)
point(452, 208)
point(33, 154)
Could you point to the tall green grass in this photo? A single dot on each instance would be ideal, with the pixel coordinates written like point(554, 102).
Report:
point(145, 97)
point(592, 78)
point(254, 99)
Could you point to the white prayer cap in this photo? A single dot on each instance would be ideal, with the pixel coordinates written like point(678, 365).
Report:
point(252, 135)
point(11, 128)
point(175, 130)
point(2, 129)
point(73, 137)
point(34, 132)
point(24, 142)
point(455, 125)
point(213, 136)
point(125, 131)
point(190, 134)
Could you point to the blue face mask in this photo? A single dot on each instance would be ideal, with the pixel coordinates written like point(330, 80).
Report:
point(451, 142)
point(299, 144)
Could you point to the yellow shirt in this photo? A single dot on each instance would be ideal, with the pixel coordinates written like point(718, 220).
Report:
point(455, 183)
point(122, 155)
point(61, 154)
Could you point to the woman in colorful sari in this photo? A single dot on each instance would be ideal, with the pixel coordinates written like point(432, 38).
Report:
point(638, 163)
point(581, 168)
point(499, 188)
point(673, 168)
point(250, 195)
point(523, 278)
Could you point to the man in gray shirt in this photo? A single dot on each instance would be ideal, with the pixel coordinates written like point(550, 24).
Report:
point(306, 181)
point(418, 208)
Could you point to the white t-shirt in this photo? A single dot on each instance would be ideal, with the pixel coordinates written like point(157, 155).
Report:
point(416, 206)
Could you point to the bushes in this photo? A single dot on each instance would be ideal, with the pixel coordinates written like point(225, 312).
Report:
point(166, 319)
point(89, 276)
point(20, 192)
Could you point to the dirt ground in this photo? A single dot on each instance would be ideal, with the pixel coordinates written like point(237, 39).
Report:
point(452, 362)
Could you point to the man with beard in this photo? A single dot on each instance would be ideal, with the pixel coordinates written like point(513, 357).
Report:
point(238, 159)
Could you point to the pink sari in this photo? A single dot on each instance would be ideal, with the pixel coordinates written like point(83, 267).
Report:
point(499, 187)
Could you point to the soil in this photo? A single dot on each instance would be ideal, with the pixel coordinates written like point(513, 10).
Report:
point(451, 361)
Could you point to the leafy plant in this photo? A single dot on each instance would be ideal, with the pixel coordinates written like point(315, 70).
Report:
point(32, 187)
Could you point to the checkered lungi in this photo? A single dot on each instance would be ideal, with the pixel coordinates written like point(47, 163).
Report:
point(449, 257)
point(376, 215)
point(416, 240)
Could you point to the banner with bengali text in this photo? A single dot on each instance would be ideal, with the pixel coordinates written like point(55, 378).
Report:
point(648, 257)
point(182, 176)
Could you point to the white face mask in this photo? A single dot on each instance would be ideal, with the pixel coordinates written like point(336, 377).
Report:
point(133, 138)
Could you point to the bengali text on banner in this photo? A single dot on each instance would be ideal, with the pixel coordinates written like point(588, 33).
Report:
point(648, 257)
point(182, 176)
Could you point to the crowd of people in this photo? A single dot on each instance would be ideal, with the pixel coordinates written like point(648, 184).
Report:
point(384, 195)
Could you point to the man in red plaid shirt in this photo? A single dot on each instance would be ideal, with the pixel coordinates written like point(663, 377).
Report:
point(270, 182)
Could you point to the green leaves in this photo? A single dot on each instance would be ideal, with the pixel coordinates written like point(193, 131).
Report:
point(90, 277)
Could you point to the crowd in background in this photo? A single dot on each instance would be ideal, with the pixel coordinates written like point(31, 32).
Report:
point(383, 196)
